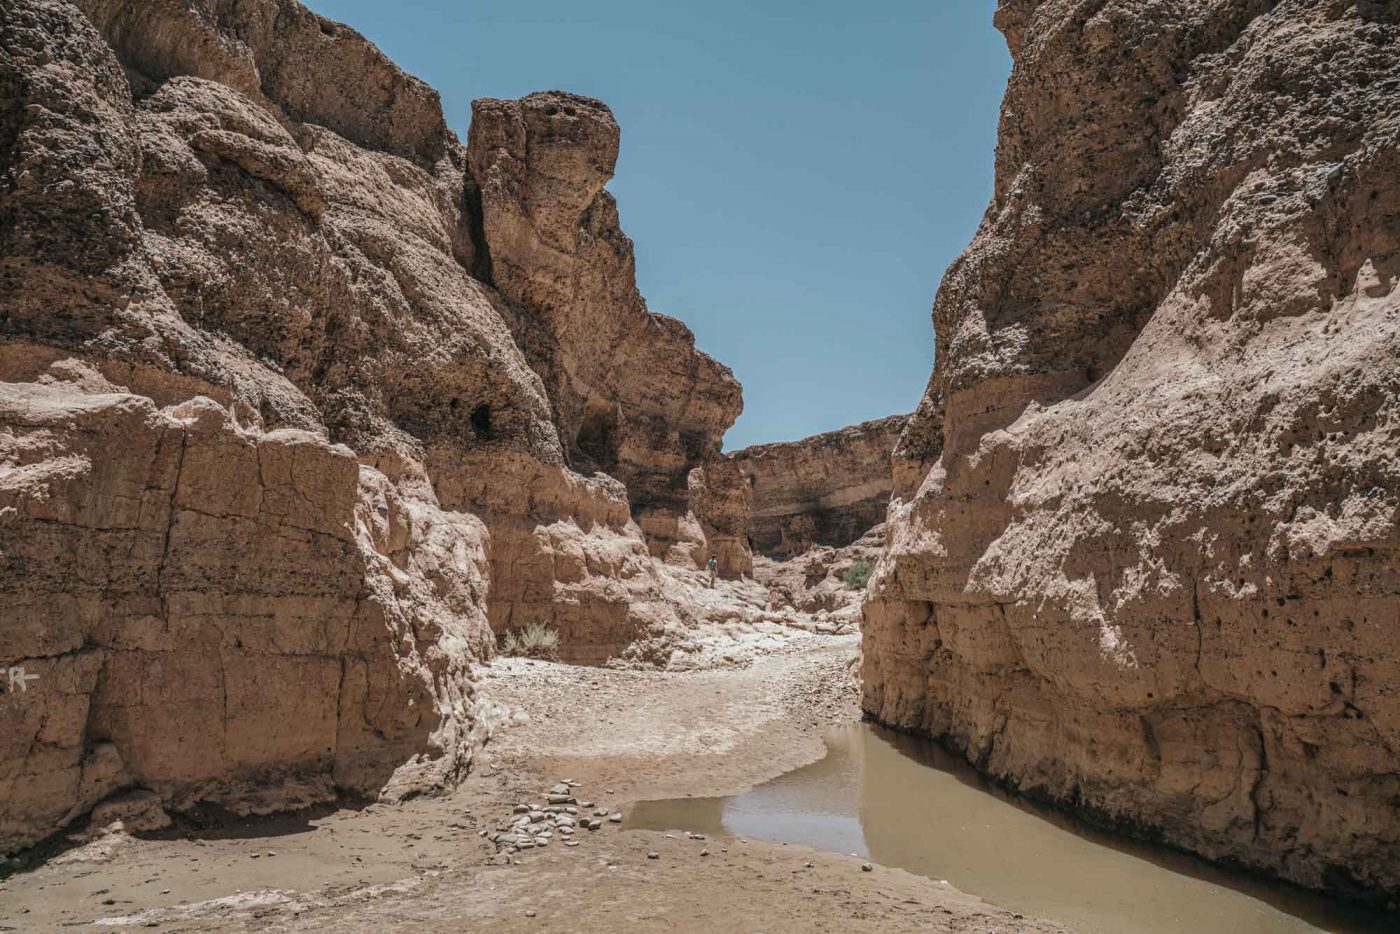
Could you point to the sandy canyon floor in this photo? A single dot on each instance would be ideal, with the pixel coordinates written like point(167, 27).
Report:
point(757, 707)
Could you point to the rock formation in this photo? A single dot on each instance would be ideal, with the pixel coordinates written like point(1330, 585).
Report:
point(296, 408)
point(632, 397)
point(217, 613)
point(1144, 556)
point(829, 489)
point(816, 580)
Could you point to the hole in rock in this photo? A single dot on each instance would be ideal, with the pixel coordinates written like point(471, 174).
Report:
point(481, 422)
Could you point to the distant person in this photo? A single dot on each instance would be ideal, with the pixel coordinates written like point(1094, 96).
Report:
point(714, 568)
point(773, 596)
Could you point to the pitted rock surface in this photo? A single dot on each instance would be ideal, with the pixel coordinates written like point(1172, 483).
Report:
point(1144, 557)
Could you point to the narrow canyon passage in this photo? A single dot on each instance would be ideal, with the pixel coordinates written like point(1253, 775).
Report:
point(372, 556)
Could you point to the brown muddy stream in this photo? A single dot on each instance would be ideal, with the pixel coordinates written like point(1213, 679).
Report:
point(904, 802)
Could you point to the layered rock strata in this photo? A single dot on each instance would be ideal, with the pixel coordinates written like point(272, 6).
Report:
point(276, 455)
point(1144, 556)
point(829, 489)
point(217, 613)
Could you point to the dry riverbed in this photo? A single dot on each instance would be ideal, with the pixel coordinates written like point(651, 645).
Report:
point(622, 736)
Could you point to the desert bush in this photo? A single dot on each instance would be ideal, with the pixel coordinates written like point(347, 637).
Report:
point(857, 575)
point(534, 641)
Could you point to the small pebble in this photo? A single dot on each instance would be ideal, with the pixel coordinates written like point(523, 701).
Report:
point(866, 867)
point(653, 856)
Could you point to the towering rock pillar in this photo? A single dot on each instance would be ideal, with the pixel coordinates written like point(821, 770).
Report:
point(632, 395)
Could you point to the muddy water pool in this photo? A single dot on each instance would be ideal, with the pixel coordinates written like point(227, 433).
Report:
point(904, 802)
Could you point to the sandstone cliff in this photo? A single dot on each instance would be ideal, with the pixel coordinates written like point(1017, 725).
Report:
point(296, 408)
point(631, 395)
point(1144, 558)
point(829, 489)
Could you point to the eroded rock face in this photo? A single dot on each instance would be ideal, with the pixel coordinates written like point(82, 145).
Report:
point(829, 489)
point(817, 579)
point(632, 396)
point(276, 457)
point(1144, 558)
point(219, 613)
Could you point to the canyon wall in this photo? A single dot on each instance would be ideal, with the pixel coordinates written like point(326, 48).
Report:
point(829, 489)
point(301, 402)
point(1144, 554)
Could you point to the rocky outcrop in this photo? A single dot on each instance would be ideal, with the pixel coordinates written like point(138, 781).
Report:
point(632, 396)
point(276, 455)
point(823, 578)
point(219, 613)
point(1144, 556)
point(829, 489)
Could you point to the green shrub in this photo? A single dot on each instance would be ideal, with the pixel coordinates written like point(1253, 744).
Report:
point(857, 575)
point(534, 641)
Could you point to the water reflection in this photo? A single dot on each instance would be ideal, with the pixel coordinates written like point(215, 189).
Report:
point(905, 802)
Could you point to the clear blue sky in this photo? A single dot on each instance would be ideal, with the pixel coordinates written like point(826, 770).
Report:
point(796, 175)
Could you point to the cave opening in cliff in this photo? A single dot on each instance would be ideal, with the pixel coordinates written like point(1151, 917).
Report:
point(481, 422)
